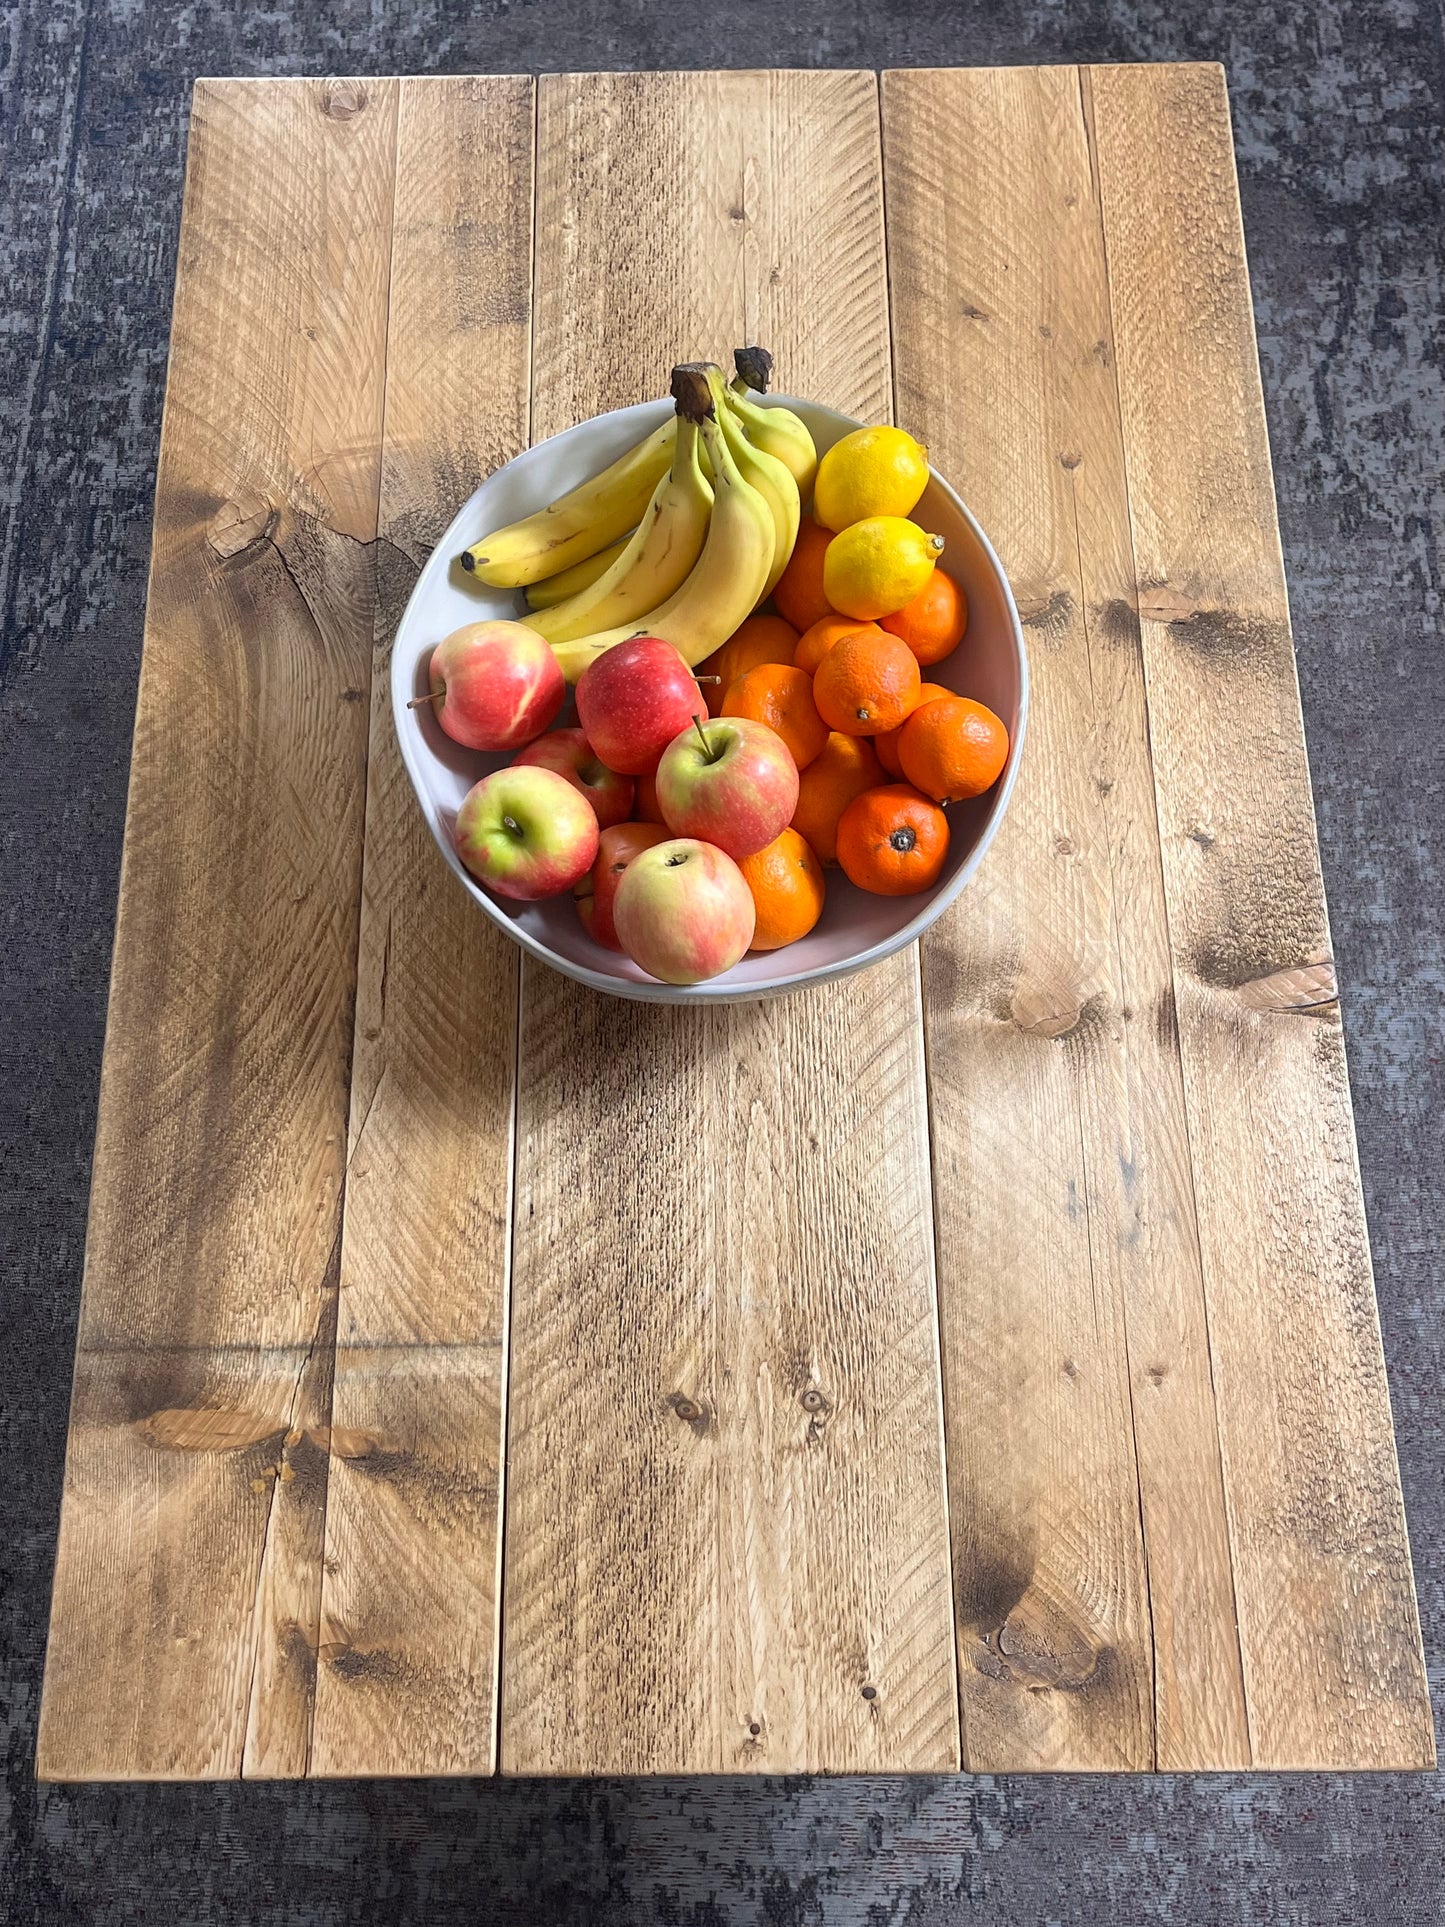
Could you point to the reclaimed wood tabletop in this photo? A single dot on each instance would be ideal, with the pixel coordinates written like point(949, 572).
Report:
point(973, 1363)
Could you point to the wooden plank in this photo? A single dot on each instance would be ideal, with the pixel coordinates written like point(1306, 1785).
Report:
point(1083, 1446)
point(726, 1540)
point(409, 1618)
point(1327, 1618)
point(194, 1489)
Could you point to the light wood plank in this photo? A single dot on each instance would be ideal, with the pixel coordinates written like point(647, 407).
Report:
point(1049, 1000)
point(1002, 369)
point(409, 1617)
point(188, 1572)
point(1331, 1644)
point(725, 1504)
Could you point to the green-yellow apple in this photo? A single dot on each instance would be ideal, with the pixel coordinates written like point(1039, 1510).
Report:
point(569, 753)
point(596, 893)
point(526, 833)
point(633, 700)
point(494, 685)
point(730, 781)
point(683, 911)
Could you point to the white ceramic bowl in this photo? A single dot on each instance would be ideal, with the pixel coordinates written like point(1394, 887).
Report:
point(856, 929)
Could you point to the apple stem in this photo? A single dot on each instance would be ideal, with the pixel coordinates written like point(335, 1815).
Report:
point(707, 678)
point(418, 701)
point(702, 738)
point(511, 826)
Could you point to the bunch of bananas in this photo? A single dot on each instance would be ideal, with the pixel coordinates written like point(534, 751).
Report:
point(682, 537)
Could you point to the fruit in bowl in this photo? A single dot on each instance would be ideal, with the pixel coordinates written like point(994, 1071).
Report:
point(526, 833)
point(568, 752)
point(790, 773)
point(683, 911)
point(633, 700)
point(494, 685)
point(596, 892)
point(730, 781)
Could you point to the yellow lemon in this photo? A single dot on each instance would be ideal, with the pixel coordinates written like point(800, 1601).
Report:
point(873, 471)
point(874, 568)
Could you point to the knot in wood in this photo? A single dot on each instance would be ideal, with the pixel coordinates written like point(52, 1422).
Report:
point(244, 518)
point(342, 99)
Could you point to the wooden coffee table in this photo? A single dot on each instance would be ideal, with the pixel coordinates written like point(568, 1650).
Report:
point(971, 1364)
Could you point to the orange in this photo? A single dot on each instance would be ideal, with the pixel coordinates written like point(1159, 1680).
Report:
point(866, 683)
point(933, 623)
point(645, 806)
point(759, 639)
point(953, 749)
point(887, 744)
point(815, 642)
point(781, 697)
point(892, 841)
point(799, 593)
point(786, 880)
point(844, 769)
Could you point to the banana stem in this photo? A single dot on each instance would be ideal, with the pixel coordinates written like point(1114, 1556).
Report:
point(691, 392)
point(755, 369)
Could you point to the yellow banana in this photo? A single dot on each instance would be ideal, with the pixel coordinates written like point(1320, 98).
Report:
point(773, 481)
point(553, 589)
point(778, 431)
point(725, 586)
point(658, 559)
point(578, 524)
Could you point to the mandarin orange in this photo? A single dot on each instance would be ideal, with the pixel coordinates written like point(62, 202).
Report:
point(887, 744)
point(799, 592)
point(815, 642)
point(952, 750)
point(866, 683)
point(782, 697)
point(844, 768)
point(759, 639)
point(934, 622)
point(645, 806)
point(892, 841)
point(786, 880)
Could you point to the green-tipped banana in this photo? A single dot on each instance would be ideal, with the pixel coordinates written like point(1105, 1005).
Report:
point(655, 563)
point(588, 518)
point(771, 478)
point(778, 431)
point(553, 589)
point(728, 581)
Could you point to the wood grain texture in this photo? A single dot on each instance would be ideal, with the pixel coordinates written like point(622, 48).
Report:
point(1328, 1628)
point(1084, 1458)
point(191, 1528)
point(726, 1539)
point(409, 1610)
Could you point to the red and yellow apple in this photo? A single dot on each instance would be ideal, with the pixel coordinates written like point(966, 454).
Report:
point(596, 893)
point(683, 911)
point(633, 700)
point(731, 781)
point(495, 685)
point(569, 753)
point(526, 833)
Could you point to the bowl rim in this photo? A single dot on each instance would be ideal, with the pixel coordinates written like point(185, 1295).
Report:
point(715, 990)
